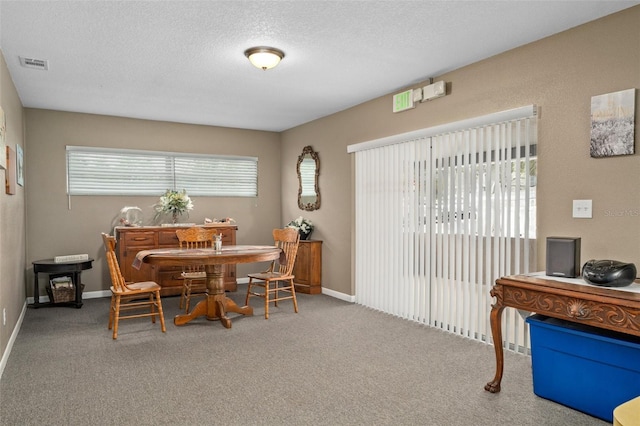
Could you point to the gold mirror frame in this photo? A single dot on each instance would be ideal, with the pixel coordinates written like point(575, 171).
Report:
point(304, 203)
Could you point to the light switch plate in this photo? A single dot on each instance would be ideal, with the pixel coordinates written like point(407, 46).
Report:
point(582, 209)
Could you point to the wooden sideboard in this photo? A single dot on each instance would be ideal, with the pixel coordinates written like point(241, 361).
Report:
point(574, 300)
point(308, 267)
point(131, 240)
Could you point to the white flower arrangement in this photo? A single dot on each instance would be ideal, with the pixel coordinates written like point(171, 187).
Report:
point(303, 225)
point(173, 202)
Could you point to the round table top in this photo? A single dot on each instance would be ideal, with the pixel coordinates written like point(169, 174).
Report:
point(228, 254)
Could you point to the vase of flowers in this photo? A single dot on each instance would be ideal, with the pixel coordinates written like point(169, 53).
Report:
point(304, 227)
point(175, 203)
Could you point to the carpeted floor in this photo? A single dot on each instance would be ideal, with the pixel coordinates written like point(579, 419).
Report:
point(334, 363)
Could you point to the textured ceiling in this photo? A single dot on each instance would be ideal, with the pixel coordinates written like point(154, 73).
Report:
point(183, 61)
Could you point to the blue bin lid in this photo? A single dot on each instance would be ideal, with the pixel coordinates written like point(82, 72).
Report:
point(578, 328)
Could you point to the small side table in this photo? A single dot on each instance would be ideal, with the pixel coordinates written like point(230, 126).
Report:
point(308, 267)
point(48, 266)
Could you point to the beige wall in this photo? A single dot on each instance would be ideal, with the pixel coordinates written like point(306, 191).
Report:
point(559, 74)
point(12, 217)
point(55, 229)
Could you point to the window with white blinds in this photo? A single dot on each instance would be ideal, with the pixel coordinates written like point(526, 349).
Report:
point(442, 213)
point(105, 171)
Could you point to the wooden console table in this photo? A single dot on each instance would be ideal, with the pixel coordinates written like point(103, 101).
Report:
point(568, 299)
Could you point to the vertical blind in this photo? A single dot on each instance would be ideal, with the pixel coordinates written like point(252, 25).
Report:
point(440, 217)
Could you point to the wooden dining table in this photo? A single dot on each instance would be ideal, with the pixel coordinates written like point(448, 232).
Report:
point(216, 305)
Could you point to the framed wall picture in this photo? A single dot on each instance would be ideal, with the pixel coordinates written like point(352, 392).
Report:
point(19, 165)
point(10, 171)
point(3, 143)
point(613, 123)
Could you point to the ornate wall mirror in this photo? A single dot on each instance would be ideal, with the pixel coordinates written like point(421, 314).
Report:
point(308, 171)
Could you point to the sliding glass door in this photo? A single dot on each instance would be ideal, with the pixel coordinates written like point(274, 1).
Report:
point(440, 218)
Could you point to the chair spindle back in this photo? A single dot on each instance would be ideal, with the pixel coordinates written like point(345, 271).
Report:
point(117, 280)
point(287, 240)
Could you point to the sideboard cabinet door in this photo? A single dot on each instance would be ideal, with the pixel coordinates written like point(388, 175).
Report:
point(308, 267)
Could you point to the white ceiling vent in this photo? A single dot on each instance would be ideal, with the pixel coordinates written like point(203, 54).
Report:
point(38, 64)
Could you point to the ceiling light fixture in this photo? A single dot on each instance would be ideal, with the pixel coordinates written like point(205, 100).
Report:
point(264, 57)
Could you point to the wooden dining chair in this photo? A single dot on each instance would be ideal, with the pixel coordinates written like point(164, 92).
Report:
point(279, 277)
point(195, 278)
point(130, 296)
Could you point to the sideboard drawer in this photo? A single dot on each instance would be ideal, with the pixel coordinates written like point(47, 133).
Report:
point(141, 238)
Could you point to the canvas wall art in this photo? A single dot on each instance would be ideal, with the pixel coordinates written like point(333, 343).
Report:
point(20, 165)
point(612, 124)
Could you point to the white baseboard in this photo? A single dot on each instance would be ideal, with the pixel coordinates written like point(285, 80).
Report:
point(338, 295)
point(12, 339)
point(107, 293)
point(328, 292)
point(85, 295)
point(96, 294)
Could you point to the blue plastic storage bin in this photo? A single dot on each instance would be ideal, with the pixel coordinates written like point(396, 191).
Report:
point(586, 368)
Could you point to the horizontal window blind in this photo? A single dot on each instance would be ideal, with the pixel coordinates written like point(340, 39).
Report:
point(105, 171)
point(217, 176)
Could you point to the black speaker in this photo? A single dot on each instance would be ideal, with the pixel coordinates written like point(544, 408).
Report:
point(563, 257)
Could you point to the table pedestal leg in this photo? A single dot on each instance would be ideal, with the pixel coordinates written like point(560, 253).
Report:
point(217, 304)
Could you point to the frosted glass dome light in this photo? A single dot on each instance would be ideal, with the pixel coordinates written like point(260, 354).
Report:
point(264, 57)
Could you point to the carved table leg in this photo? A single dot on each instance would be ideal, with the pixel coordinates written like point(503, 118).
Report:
point(496, 331)
point(199, 310)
